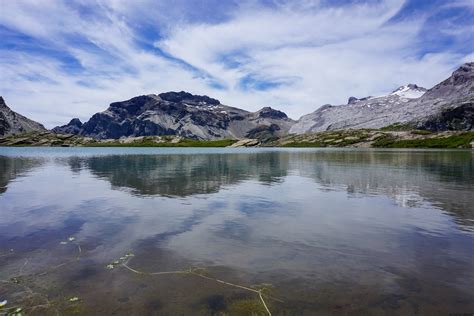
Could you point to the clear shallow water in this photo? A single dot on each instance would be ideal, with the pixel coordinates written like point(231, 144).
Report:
point(333, 231)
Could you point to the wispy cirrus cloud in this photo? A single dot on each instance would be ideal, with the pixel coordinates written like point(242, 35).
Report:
point(64, 59)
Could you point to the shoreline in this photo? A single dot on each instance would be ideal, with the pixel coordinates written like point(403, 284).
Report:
point(360, 138)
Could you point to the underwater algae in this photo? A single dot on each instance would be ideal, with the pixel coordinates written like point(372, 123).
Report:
point(33, 300)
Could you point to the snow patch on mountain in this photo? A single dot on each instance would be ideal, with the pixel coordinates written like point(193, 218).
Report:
point(409, 91)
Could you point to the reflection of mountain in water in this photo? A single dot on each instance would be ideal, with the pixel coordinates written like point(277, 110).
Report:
point(183, 175)
point(444, 179)
point(11, 168)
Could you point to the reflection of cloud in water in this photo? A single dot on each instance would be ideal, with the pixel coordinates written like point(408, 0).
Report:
point(311, 229)
point(112, 217)
point(11, 168)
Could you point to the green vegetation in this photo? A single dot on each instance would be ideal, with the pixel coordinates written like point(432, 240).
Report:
point(337, 138)
point(380, 139)
point(384, 141)
point(398, 127)
point(340, 138)
point(304, 144)
point(421, 132)
point(247, 307)
point(462, 140)
point(70, 305)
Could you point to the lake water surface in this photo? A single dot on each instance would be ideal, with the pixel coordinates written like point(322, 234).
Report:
point(320, 232)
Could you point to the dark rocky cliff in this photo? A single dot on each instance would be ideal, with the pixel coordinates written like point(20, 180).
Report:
point(13, 123)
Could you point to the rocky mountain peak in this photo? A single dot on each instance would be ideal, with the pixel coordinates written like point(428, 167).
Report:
point(3, 105)
point(187, 97)
point(354, 100)
point(133, 106)
point(14, 123)
point(73, 127)
point(463, 74)
point(75, 122)
point(459, 85)
point(414, 86)
point(268, 112)
point(409, 91)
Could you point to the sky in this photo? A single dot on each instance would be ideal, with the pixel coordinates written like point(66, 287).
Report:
point(65, 59)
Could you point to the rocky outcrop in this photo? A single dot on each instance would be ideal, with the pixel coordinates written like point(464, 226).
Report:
point(452, 118)
point(446, 106)
point(268, 112)
point(45, 138)
point(73, 127)
point(246, 142)
point(265, 133)
point(450, 104)
point(12, 123)
point(177, 113)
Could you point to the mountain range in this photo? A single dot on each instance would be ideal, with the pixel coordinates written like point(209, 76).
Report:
point(179, 113)
point(447, 106)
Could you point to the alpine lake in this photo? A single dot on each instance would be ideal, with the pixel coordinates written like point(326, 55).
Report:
point(245, 231)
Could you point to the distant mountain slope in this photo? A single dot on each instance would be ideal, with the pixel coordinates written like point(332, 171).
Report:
point(447, 106)
point(14, 123)
point(73, 127)
point(450, 104)
point(178, 113)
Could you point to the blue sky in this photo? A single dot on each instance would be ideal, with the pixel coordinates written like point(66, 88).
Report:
point(64, 59)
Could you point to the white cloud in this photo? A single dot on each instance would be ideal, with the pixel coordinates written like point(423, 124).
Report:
point(464, 4)
point(321, 54)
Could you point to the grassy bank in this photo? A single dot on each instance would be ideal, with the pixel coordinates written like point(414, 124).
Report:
point(365, 138)
point(380, 139)
point(339, 138)
point(462, 140)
